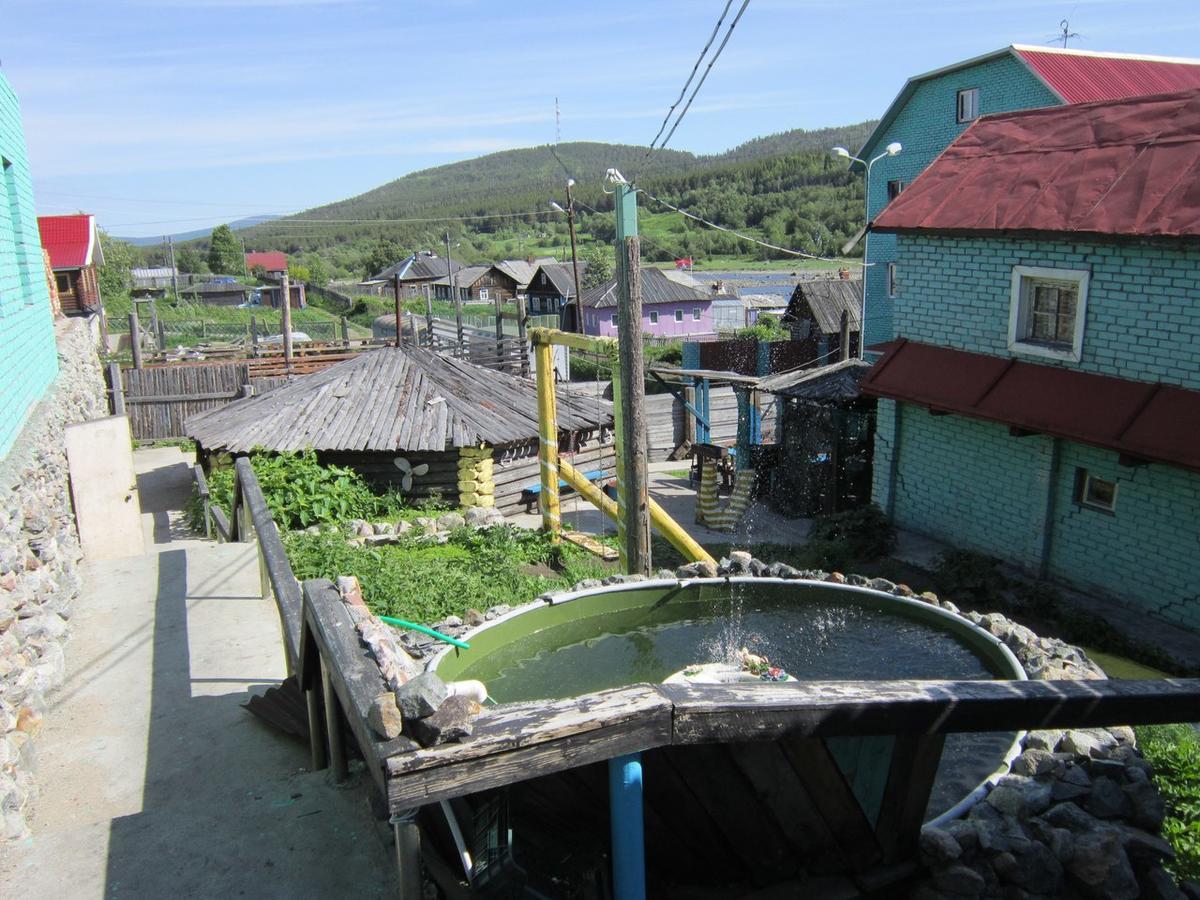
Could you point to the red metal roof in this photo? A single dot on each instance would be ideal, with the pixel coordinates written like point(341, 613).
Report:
point(1127, 167)
point(1082, 77)
point(271, 260)
point(1151, 422)
point(70, 240)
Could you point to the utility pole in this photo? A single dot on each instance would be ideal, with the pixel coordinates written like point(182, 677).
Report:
point(633, 522)
point(454, 294)
point(399, 306)
point(286, 299)
point(174, 271)
point(575, 256)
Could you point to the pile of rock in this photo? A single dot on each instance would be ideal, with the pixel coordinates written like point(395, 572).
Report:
point(39, 564)
point(436, 528)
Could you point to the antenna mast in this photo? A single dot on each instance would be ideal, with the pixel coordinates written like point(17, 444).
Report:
point(557, 123)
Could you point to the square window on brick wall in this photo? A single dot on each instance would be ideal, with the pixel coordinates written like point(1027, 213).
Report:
point(1095, 493)
point(1047, 308)
point(968, 105)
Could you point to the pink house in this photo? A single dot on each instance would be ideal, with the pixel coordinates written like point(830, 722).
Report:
point(673, 305)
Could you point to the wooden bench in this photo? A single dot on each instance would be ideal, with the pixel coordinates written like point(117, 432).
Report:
point(531, 492)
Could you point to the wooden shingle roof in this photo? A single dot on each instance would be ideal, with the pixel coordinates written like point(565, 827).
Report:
point(828, 299)
point(391, 399)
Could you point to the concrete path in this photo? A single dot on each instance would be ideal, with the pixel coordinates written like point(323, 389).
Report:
point(154, 781)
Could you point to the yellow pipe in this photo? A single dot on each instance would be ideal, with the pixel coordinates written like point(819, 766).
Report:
point(666, 526)
point(547, 440)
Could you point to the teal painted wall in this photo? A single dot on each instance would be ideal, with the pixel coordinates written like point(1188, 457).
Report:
point(28, 355)
point(926, 125)
point(1142, 321)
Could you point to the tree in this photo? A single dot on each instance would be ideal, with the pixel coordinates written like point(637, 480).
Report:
point(601, 260)
point(114, 274)
point(188, 259)
point(225, 252)
point(318, 270)
point(382, 255)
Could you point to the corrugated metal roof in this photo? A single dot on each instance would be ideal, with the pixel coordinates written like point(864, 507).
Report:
point(417, 267)
point(518, 270)
point(828, 299)
point(71, 241)
point(561, 275)
point(464, 277)
point(1082, 77)
point(657, 287)
point(1151, 422)
point(392, 399)
point(1125, 167)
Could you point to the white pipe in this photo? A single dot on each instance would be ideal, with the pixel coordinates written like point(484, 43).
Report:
point(464, 855)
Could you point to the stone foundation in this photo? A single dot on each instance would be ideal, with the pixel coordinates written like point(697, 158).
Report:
point(39, 563)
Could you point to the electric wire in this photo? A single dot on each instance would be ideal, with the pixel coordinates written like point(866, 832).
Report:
point(686, 84)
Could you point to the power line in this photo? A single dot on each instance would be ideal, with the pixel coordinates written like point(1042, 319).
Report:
point(291, 220)
point(738, 234)
point(704, 77)
point(695, 69)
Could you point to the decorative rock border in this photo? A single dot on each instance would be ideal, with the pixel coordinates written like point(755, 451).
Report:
point(437, 528)
point(1076, 816)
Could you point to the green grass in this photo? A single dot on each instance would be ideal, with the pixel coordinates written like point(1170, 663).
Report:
point(425, 582)
point(1174, 751)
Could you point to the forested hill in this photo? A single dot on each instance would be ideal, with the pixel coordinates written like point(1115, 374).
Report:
point(783, 187)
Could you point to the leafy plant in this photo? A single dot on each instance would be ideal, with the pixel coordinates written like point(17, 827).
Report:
point(967, 575)
point(1174, 750)
point(841, 538)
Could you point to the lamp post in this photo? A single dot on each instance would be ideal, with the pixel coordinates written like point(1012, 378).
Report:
point(570, 211)
point(891, 150)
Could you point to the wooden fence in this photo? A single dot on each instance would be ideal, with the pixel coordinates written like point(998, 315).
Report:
point(666, 427)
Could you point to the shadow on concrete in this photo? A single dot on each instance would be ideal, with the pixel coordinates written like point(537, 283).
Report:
point(227, 807)
point(164, 492)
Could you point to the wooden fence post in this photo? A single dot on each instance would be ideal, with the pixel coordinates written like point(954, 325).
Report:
point(135, 339)
point(523, 337)
point(162, 337)
point(631, 472)
point(254, 335)
point(345, 333)
point(429, 315)
point(118, 389)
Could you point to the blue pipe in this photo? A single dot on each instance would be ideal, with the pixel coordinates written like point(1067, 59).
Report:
point(625, 815)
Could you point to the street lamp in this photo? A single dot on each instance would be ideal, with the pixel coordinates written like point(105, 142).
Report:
point(891, 150)
point(570, 211)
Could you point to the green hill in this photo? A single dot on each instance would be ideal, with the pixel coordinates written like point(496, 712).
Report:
point(784, 188)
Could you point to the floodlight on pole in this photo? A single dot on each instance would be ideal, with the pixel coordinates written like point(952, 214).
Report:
point(892, 149)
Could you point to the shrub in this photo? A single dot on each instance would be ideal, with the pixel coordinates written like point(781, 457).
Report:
point(967, 576)
point(1174, 750)
point(855, 535)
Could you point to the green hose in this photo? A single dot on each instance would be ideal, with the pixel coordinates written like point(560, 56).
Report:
point(424, 629)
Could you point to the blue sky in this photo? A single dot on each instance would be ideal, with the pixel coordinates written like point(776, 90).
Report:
point(168, 115)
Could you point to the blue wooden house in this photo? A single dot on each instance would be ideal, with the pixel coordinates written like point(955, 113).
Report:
point(28, 354)
point(1042, 400)
point(934, 108)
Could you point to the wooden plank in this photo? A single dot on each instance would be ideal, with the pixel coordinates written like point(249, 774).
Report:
point(769, 711)
point(834, 800)
point(910, 779)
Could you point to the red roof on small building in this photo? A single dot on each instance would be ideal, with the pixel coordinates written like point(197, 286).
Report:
point(1082, 77)
point(71, 241)
point(1128, 167)
point(1146, 422)
point(271, 260)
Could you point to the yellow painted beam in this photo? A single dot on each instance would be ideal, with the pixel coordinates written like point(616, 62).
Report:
point(602, 346)
point(547, 440)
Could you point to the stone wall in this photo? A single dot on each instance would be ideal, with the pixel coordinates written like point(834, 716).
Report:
point(39, 562)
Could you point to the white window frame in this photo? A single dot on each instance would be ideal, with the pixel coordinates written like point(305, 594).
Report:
point(654, 317)
point(483, 294)
point(1086, 479)
point(892, 194)
point(1023, 277)
point(679, 315)
point(695, 314)
point(891, 280)
point(612, 319)
point(972, 111)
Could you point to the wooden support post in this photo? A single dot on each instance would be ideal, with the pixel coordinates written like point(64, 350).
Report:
point(689, 420)
point(345, 333)
point(118, 389)
point(316, 727)
point(523, 338)
point(844, 337)
point(548, 440)
point(499, 333)
point(333, 728)
point(254, 335)
point(428, 315)
point(286, 300)
point(135, 339)
point(408, 854)
point(399, 313)
point(631, 477)
point(154, 325)
point(161, 331)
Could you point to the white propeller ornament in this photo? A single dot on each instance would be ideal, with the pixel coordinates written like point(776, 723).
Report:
point(408, 471)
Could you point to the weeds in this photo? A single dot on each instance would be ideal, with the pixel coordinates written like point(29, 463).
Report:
point(1174, 750)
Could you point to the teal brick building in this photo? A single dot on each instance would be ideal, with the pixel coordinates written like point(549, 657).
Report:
point(936, 107)
point(28, 356)
point(1042, 401)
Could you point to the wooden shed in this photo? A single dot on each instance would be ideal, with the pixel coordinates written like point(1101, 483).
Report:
point(386, 412)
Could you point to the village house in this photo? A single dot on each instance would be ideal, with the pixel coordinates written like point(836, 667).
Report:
point(273, 263)
point(478, 284)
point(416, 273)
point(1042, 400)
point(814, 314)
point(934, 108)
point(73, 243)
point(520, 271)
point(551, 288)
point(29, 362)
point(673, 305)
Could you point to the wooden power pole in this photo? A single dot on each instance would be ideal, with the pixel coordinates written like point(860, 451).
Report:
point(174, 271)
point(286, 299)
point(399, 307)
point(633, 524)
point(454, 295)
point(575, 257)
